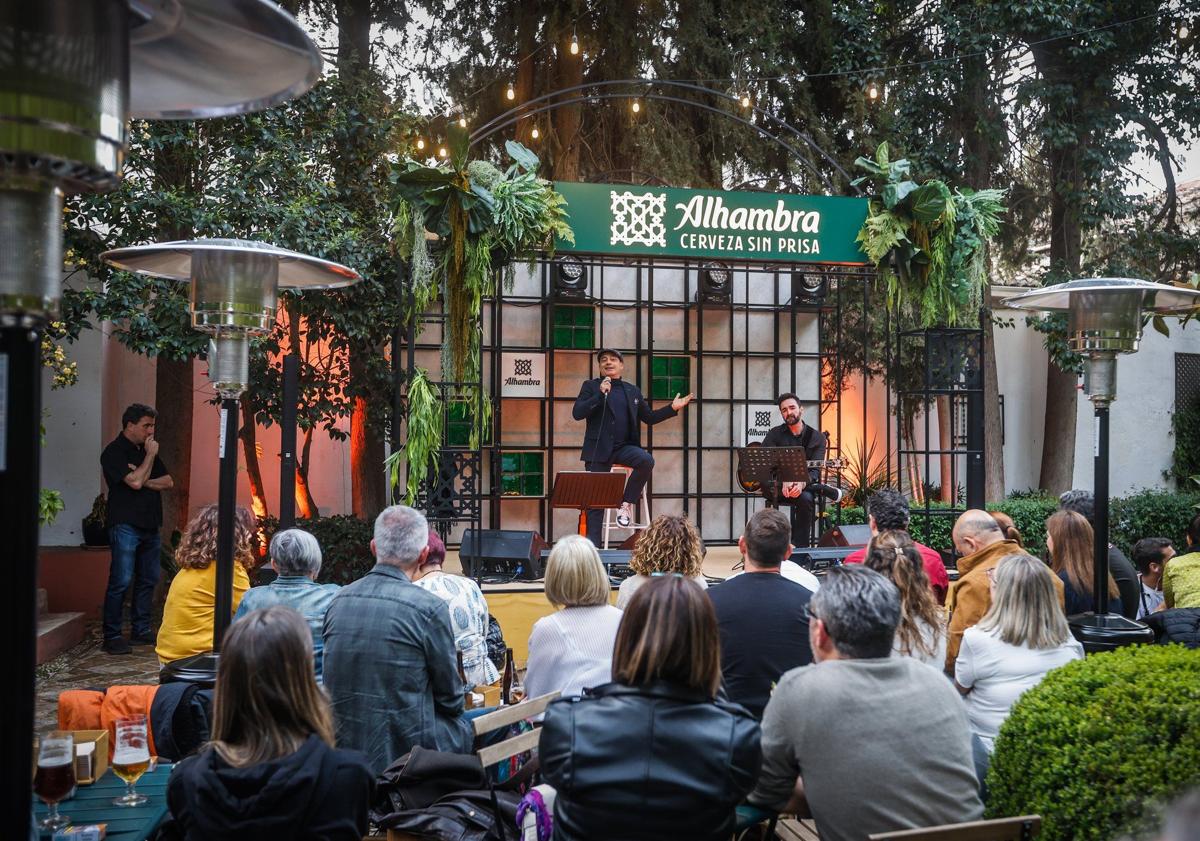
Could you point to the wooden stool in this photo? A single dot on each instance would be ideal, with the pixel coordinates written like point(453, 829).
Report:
point(641, 515)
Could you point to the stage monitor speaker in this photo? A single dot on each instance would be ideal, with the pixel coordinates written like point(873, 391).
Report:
point(502, 552)
point(616, 562)
point(821, 559)
point(856, 534)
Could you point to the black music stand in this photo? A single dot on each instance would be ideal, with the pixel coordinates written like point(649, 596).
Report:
point(772, 466)
point(586, 490)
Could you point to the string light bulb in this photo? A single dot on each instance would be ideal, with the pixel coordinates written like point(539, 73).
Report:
point(574, 44)
point(636, 106)
point(873, 92)
point(535, 134)
point(510, 94)
point(442, 152)
point(1183, 32)
point(745, 100)
point(420, 143)
point(462, 122)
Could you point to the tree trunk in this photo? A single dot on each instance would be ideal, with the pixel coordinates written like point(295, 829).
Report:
point(249, 436)
point(993, 422)
point(354, 36)
point(368, 480)
point(945, 442)
point(173, 401)
point(567, 119)
point(306, 506)
point(1058, 449)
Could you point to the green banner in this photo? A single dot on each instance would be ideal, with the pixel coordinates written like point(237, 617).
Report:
point(712, 224)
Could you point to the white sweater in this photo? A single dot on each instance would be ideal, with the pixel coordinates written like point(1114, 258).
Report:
point(571, 649)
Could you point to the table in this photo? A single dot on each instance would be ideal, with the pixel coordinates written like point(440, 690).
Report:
point(93, 804)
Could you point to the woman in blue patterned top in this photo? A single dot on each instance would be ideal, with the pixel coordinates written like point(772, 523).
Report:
point(468, 612)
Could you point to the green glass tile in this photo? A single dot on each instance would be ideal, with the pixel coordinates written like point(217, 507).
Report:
point(459, 435)
point(678, 385)
point(510, 485)
point(510, 462)
point(584, 338)
point(658, 366)
point(563, 337)
point(532, 485)
point(564, 315)
point(531, 462)
point(660, 389)
point(680, 366)
point(585, 316)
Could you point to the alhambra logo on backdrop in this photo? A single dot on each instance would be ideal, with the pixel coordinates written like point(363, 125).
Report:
point(523, 374)
point(696, 224)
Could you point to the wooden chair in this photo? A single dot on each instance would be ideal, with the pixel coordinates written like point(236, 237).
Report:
point(1021, 828)
point(490, 755)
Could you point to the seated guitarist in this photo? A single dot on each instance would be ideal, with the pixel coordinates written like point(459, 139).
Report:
point(794, 432)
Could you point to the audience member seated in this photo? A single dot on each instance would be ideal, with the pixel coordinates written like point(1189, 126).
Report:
point(670, 544)
point(922, 629)
point(468, 612)
point(863, 741)
point(296, 558)
point(390, 664)
point(1069, 542)
point(887, 510)
point(1023, 636)
point(1150, 556)
point(187, 623)
point(573, 648)
point(763, 617)
point(1119, 567)
point(1181, 579)
point(271, 770)
point(1008, 527)
point(653, 754)
point(981, 543)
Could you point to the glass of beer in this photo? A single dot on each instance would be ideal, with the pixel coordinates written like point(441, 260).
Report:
point(55, 776)
point(131, 758)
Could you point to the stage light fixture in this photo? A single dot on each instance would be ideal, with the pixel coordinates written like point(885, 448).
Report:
point(716, 283)
point(809, 288)
point(570, 278)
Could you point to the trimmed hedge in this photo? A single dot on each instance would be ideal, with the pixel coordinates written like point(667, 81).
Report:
point(1151, 514)
point(1100, 743)
point(345, 545)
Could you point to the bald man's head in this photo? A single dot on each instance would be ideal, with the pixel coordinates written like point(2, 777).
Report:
point(975, 530)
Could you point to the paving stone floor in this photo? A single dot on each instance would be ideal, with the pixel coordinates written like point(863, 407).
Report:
point(85, 666)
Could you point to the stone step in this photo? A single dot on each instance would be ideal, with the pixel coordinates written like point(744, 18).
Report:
point(57, 632)
point(43, 602)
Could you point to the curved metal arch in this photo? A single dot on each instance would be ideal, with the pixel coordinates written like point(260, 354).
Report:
point(495, 127)
point(749, 184)
point(486, 130)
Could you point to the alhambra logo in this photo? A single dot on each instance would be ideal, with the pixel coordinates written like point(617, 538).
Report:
point(638, 219)
point(762, 418)
point(523, 368)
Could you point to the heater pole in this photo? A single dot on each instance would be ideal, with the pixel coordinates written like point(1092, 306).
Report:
point(226, 502)
point(287, 441)
point(1100, 549)
point(20, 454)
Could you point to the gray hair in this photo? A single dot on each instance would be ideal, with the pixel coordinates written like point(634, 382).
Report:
point(860, 609)
point(296, 552)
point(400, 535)
point(1025, 609)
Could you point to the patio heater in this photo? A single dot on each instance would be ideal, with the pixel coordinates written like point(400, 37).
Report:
point(234, 293)
point(1104, 319)
point(71, 75)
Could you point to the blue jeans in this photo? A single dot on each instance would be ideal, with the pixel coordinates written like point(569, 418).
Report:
point(135, 551)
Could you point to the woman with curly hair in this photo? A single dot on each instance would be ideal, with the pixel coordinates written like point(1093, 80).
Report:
point(187, 624)
point(670, 544)
point(921, 632)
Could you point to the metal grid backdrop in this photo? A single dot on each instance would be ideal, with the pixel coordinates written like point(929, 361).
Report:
point(740, 354)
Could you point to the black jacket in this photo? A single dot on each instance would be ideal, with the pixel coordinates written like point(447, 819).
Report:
point(653, 762)
point(811, 440)
point(318, 792)
point(1180, 624)
point(598, 444)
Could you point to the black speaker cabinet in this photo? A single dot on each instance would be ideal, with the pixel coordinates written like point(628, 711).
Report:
point(502, 552)
point(858, 534)
point(616, 561)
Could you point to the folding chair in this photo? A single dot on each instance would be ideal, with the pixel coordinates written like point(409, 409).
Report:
point(1021, 828)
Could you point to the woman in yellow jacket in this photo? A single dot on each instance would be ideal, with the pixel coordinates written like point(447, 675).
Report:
point(187, 623)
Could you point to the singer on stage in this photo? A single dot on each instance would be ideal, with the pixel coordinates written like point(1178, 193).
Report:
point(794, 432)
point(613, 409)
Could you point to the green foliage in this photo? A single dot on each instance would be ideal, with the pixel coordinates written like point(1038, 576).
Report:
point(1029, 513)
point(424, 439)
point(1185, 458)
point(1100, 742)
point(345, 545)
point(865, 470)
point(50, 505)
point(99, 512)
point(1151, 514)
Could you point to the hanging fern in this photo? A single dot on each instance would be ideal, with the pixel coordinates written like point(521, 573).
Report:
point(424, 436)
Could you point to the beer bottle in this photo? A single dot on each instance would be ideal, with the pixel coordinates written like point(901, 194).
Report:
point(506, 682)
point(468, 701)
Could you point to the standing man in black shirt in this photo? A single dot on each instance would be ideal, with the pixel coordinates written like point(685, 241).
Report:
point(794, 432)
point(136, 477)
point(613, 409)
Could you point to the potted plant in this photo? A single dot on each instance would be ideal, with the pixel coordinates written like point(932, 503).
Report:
point(95, 533)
